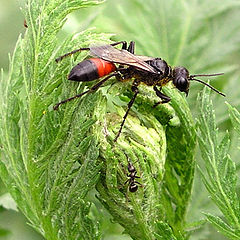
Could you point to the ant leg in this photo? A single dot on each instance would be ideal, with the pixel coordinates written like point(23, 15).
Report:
point(136, 91)
point(127, 181)
point(165, 98)
point(92, 89)
point(139, 183)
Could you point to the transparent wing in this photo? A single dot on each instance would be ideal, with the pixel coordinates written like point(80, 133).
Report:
point(111, 54)
point(145, 58)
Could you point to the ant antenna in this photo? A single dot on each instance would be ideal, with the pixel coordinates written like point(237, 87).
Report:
point(208, 85)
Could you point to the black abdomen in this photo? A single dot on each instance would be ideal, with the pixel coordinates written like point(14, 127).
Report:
point(84, 71)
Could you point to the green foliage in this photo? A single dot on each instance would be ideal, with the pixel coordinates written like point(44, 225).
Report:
point(51, 160)
point(40, 164)
point(235, 118)
point(220, 177)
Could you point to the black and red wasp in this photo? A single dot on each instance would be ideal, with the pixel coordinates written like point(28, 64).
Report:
point(141, 69)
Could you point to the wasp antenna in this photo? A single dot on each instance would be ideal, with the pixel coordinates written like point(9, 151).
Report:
point(208, 85)
point(206, 75)
point(70, 53)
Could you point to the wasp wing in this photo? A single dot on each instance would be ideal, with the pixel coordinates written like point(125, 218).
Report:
point(145, 58)
point(111, 54)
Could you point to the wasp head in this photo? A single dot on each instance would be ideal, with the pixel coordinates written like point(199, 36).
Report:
point(181, 79)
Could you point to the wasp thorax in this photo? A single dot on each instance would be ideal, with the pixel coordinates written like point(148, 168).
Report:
point(160, 65)
point(181, 79)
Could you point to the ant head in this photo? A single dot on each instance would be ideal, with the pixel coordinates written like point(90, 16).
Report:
point(181, 79)
point(131, 168)
point(133, 187)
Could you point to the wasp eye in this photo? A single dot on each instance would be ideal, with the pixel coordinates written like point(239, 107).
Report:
point(182, 84)
point(181, 79)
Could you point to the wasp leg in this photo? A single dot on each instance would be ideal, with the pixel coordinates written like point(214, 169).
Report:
point(92, 89)
point(165, 98)
point(136, 91)
point(70, 53)
point(124, 43)
point(131, 47)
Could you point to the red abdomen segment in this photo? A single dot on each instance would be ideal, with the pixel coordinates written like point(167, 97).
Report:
point(103, 67)
point(91, 69)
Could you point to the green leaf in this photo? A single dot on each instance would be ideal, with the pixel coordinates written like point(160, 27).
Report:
point(220, 177)
point(220, 224)
point(166, 232)
point(235, 117)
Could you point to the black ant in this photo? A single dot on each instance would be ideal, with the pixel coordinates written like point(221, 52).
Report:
point(133, 185)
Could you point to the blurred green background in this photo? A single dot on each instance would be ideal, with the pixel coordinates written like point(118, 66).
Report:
point(218, 51)
point(11, 25)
